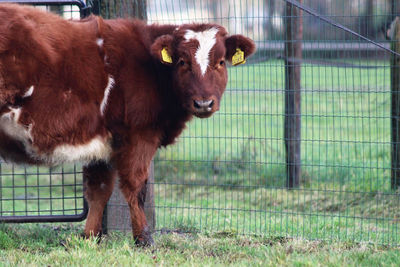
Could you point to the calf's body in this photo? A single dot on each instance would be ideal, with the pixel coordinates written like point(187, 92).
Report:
point(107, 93)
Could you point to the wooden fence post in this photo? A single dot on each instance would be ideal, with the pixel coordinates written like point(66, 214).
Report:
point(121, 8)
point(292, 126)
point(395, 105)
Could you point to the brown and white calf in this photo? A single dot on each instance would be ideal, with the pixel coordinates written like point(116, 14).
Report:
point(107, 93)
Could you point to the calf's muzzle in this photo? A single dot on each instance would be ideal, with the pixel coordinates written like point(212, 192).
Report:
point(203, 105)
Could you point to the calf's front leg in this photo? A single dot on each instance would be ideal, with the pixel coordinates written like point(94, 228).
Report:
point(133, 164)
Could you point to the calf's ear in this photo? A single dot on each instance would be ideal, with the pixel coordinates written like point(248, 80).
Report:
point(238, 48)
point(162, 49)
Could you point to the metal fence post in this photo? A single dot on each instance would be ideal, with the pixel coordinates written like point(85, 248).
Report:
point(292, 127)
point(395, 108)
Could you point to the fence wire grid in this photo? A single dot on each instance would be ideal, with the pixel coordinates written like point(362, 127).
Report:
point(228, 173)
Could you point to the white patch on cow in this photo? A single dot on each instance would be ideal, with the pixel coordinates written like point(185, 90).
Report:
point(10, 126)
point(13, 115)
point(29, 92)
point(100, 42)
point(107, 91)
point(98, 148)
point(206, 41)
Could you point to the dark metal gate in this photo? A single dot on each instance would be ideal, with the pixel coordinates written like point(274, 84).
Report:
point(42, 194)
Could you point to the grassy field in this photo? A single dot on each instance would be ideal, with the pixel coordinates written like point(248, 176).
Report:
point(227, 173)
point(60, 245)
point(345, 129)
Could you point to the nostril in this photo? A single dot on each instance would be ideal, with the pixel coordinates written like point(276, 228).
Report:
point(205, 105)
point(197, 104)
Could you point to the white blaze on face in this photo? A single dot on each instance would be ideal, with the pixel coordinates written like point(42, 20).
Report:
point(206, 41)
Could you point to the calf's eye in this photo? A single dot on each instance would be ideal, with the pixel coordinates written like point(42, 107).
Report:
point(181, 63)
point(222, 62)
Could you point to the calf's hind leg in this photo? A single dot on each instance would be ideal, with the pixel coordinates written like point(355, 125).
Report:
point(99, 183)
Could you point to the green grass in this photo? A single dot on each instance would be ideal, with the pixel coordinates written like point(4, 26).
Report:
point(60, 245)
point(228, 172)
point(345, 129)
point(279, 212)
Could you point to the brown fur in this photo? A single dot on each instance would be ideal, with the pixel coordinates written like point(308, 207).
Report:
point(147, 107)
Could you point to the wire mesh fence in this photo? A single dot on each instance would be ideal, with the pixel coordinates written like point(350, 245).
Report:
point(229, 173)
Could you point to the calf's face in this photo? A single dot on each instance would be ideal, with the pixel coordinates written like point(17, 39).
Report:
point(197, 55)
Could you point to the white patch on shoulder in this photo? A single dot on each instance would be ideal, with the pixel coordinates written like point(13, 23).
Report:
point(206, 41)
point(107, 91)
point(29, 92)
point(99, 42)
point(10, 126)
point(99, 148)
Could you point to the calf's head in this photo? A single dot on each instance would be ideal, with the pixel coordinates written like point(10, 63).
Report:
point(197, 55)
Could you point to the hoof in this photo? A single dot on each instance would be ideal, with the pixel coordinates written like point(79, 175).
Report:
point(144, 240)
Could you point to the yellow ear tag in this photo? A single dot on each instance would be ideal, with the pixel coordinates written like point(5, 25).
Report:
point(165, 56)
point(238, 57)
